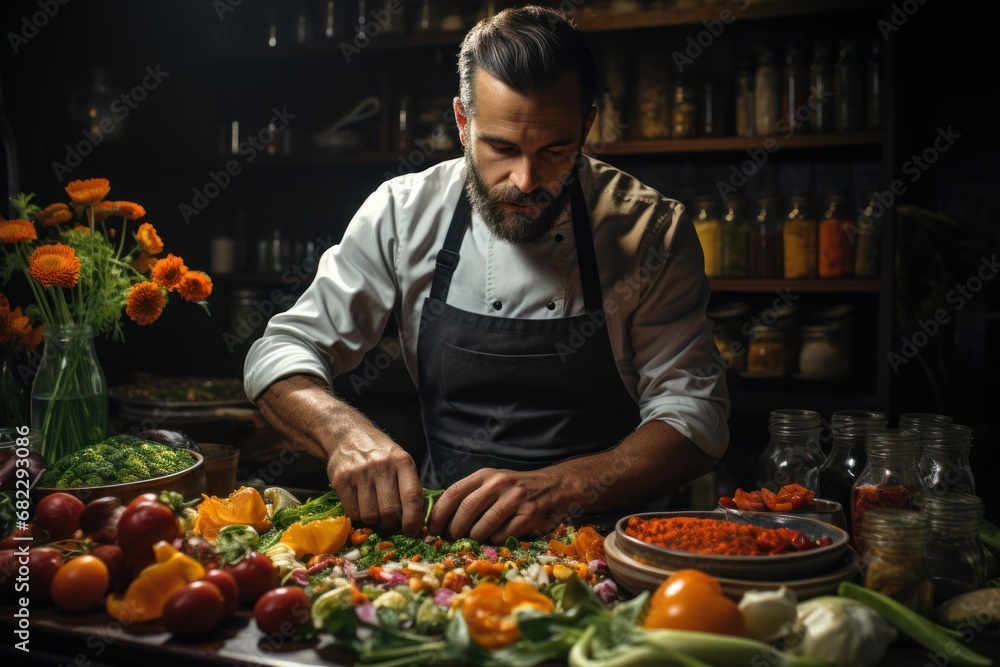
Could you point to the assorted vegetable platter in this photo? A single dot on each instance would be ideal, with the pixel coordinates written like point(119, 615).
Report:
point(306, 574)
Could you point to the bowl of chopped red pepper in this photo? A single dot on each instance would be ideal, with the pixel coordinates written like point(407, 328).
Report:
point(763, 546)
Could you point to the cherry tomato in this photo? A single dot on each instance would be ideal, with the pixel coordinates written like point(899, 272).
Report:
point(80, 584)
point(283, 611)
point(142, 525)
point(17, 539)
point(255, 574)
point(727, 502)
point(99, 520)
point(43, 563)
point(693, 600)
point(226, 584)
point(114, 559)
point(59, 513)
point(195, 609)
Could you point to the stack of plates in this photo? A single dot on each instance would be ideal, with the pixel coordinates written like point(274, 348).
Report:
point(637, 565)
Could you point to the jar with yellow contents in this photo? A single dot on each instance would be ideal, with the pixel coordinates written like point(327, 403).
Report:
point(800, 240)
point(709, 228)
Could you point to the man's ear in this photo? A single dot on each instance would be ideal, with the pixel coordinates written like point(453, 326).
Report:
point(460, 118)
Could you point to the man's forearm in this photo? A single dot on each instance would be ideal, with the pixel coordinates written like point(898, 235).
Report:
point(651, 462)
point(306, 411)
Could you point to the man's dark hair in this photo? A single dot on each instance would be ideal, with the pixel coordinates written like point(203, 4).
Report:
point(528, 48)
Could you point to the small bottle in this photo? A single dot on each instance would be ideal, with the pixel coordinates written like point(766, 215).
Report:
point(849, 430)
point(683, 110)
point(404, 123)
point(821, 90)
point(745, 117)
point(793, 454)
point(954, 555)
point(944, 458)
point(735, 240)
point(890, 478)
point(794, 80)
point(709, 230)
point(836, 250)
point(847, 89)
point(766, 93)
point(711, 110)
point(653, 96)
point(800, 241)
point(873, 89)
point(765, 248)
point(867, 239)
point(895, 562)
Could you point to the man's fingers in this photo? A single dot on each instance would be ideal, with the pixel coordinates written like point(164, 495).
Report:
point(411, 495)
point(448, 503)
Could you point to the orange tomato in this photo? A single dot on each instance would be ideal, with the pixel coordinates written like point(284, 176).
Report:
point(693, 600)
point(80, 584)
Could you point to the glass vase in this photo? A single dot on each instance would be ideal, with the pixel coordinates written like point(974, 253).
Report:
point(69, 397)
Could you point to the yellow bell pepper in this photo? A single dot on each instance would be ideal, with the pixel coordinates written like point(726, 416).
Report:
point(143, 600)
point(489, 611)
point(322, 536)
point(244, 505)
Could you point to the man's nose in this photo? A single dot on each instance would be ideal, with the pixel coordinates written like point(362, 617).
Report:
point(525, 175)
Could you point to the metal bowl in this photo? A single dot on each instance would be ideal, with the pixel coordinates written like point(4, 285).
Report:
point(765, 567)
point(189, 482)
point(827, 511)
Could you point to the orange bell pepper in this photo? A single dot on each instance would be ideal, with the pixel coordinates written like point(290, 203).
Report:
point(243, 506)
point(144, 598)
point(489, 611)
point(317, 537)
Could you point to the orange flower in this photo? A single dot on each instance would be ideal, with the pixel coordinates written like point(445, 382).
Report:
point(145, 303)
point(54, 214)
point(148, 239)
point(143, 263)
point(54, 265)
point(195, 286)
point(130, 210)
point(12, 231)
point(88, 192)
point(168, 271)
point(104, 210)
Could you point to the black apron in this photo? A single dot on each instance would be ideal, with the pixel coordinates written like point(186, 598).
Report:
point(513, 393)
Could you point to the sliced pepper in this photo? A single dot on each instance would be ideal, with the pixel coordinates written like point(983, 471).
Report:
point(244, 505)
point(317, 537)
point(144, 598)
point(489, 611)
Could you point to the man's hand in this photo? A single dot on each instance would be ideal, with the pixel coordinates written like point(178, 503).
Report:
point(494, 504)
point(375, 478)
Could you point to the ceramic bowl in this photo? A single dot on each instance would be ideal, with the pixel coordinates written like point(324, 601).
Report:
point(783, 566)
point(189, 483)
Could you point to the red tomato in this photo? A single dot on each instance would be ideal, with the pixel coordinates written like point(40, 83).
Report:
point(59, 513)
point(16, 539)
point(142, 498)
point(283, 611)
point(114, 559)
point(255, 574)
point(43, 563)
point(142, 525)
point(80, 584)
point(194, 610)
point(226, 584)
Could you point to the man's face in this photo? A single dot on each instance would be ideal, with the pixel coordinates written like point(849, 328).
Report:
point(521, 151)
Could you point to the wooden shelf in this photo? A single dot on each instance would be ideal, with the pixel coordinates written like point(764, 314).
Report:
point(856, 286)
point(722, 144)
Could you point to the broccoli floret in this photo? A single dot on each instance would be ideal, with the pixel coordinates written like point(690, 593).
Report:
point(133, 469)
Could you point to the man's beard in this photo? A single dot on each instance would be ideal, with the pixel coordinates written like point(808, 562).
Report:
point(511, 226)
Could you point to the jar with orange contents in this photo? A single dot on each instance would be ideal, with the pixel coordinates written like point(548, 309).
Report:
point(836, 250)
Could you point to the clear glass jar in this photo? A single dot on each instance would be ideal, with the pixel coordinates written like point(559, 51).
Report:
point(847, 88)
point(800, 241)
point(821, 90)
point(709, 229)
point(849, 430)
point(954, 553)
point(915, 420)
point(735, 240)
point(766, 92)
point(745, 118)
point(890, 478)
point(895, 561)
point(793, 454)
point(820, 356)
point(727, 320)
point(767, 353)
point(765, 255)
point(794, 79)
point(684, 110)
point(653, 95)
point(867, 240)
point(944, 458)
point(836, 247)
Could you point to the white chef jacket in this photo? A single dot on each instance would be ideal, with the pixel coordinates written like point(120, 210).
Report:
point(651, 270)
